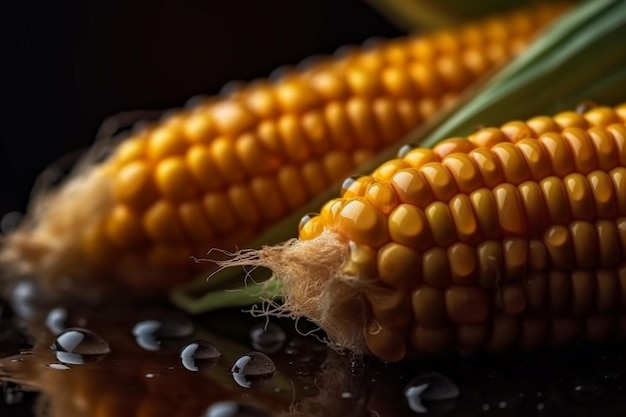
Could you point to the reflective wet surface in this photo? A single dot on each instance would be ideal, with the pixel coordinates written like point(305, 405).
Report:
point(70, 361)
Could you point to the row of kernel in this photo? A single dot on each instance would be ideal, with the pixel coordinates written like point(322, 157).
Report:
point(505, 332)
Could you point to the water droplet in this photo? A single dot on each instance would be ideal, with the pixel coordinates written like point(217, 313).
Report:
point(58, 366)
point(346, 395)
point(357, 367)
point(253, 369)
point(268, 338)
point(347, 183)
point(404, 149)
point(59, 319)
point(305, 219)
point(502, 404)
point(233, 409)
point(541, 407)
point(23, 299)
point(431, 388)
point(76, 346)
point(151, 334)
point(199, 355)
point(587, 390)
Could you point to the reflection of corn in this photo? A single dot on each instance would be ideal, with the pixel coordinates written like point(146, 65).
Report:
point(516, 236)
point(216, 174)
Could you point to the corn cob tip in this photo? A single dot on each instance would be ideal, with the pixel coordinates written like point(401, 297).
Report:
point(314, 286)
point(45, 244)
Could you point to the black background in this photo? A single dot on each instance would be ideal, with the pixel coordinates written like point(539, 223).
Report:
point(67, 65)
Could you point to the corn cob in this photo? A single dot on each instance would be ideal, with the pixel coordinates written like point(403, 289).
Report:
point(512, 237)
point(214, 175)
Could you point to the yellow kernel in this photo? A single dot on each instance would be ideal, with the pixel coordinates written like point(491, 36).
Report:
point(387, 119)
point(582, 149)
point(463, 263)
point(488, 165)
point(604, 147)
point(364, 82)
point(337, 164)
point(558, 153)
point(199, 128)
point(429, 306)
point(244, 205)
point(166, 140)
point(511, 298)
point(486, 212)
point(358, 220)
point(516, 131)
point(436, 267)
point(513, 164)
point(261, 99)
point(219, 212)
point(464, 218)
point(399, 265)
point(338, 123)
point(202, 168)
point(162, 223)
point(536, 158)
point(314, 127)
point(608, 291)
point(391, 308)
point(559, 244)
point(361, 262)
point(270, 137)
point(618, 133)
point(330, 84)
point(418, 157)
point(130, 150)
point(387, 170)
point(585, 243)
point(609, 249)
point(452, 145)
point(123, 227)
point(134, 185)
point(570, 119)
point(174, 180)
point(465, 174)
point(296, 96)
point(254, 157)
point(510, 210)
point(579, 196)
point(314, 177)
point(441, 223)
point(267, 194)
point(487, 137)
point(195, 222)
point(311, 227)
point(382, 196)
point(504, 333)
point(224, 156)
point(362, 120)
point(541, 125)
point(537, 287)
point(467, 305)
point(426, 79)
point(516, 254)
point(397, 81)
point(556, 199)
point(440, 181)
point(294, 139)
point(385, 343)
point(292, 186)
point(564, 331)
point(356, 186)
point(232, 118)
point(432, 340)
point(408, 225)
point(601, 116)
point(97, 248)
point(534, 207)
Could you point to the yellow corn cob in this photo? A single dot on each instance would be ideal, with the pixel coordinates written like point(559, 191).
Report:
point(216, 174)
point(515, 236)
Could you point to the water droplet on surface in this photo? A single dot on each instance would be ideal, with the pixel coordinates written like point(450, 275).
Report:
point(268, 338)
point(199, 355)
point(23, 299)
point(76, 346)
point(253, 369)
point(58, 366)
point(585, 391)
point(59, 319)
point(151, 334)
point(431, 391)
point(233, 409)
point(357, 367)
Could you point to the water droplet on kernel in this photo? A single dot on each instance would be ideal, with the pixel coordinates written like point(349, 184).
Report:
point(199, 355)
point(268, 338)
point(76, 346)
point(253, 369)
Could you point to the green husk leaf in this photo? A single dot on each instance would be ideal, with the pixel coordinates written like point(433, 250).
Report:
point(581, 57)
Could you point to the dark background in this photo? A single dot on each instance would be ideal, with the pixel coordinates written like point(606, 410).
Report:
point(67, 65)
